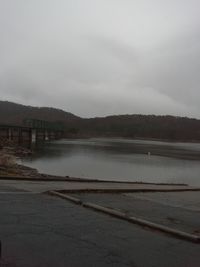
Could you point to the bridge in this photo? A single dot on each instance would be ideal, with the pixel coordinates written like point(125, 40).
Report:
point(32, 131)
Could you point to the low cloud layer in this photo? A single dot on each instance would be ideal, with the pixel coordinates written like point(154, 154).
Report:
point(100, 57)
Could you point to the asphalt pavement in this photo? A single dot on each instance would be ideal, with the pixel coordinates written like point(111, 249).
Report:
point(40, 230)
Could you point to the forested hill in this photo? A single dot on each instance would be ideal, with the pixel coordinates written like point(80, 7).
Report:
point(130, 126)
point(12, 113)
point(145, 126)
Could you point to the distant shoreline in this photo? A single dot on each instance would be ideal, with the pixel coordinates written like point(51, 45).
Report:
point(131, 138)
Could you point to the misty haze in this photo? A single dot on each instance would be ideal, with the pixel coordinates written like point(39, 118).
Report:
point(97, 58)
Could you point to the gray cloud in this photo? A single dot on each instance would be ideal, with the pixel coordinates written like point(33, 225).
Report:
point(96, 57)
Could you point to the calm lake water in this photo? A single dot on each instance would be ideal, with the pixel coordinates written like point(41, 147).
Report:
point(120, 159)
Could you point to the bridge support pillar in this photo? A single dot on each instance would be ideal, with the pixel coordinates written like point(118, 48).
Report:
point(20, 137)
point(9, 134)
point(33, 135)
point(46, 136)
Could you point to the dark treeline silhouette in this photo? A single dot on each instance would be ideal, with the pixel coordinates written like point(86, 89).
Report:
point(130, 126)
point(144, 126)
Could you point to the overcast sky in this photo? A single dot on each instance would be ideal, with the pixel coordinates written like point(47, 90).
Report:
point(102, 57)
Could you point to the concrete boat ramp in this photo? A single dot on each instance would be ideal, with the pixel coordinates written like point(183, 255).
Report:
point(91, 186)
point(80, 223)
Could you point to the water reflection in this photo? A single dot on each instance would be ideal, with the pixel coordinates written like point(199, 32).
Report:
point(119, 159)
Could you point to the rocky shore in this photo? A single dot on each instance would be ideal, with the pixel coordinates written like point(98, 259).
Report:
point(9, 168)
point(9, 152)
